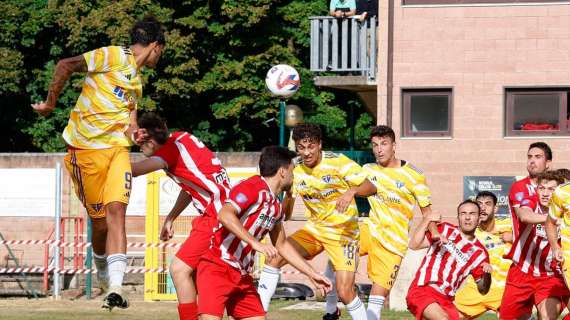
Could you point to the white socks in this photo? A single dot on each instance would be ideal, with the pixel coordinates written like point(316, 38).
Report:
point(117, 265)
point(332, 297)
point(100, 265)
point(356, 309)
point(375, 304)
point(267, 284)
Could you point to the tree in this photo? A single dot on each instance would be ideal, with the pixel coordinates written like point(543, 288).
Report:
point(210, 79)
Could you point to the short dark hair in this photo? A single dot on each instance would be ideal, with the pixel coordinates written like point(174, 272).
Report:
point(383, 131)
point(544, 147)
point(155, 127)
point(550, 175)
point(272, 158)
point(483, 194)
point(307, 131)
point(147, 31)
point(468, 201)
point(564, 173)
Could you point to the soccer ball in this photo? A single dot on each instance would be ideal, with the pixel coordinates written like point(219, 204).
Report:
point(283, 80)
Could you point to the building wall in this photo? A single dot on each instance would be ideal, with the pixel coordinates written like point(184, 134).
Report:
point(477, 51)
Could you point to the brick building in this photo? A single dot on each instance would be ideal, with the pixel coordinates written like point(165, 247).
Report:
point(467, 85)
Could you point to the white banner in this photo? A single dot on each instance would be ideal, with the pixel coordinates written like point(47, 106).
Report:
point(30, 192)
point(169, 193)
point(27, 192)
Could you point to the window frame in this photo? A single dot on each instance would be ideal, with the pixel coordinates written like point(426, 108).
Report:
point(510, 94)
point(407, 94)
point(479, 2)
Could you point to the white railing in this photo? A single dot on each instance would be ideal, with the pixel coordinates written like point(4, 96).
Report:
point(343, 45)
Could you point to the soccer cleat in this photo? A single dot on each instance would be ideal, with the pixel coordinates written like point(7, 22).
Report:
point(115, 298)
point(332, 316)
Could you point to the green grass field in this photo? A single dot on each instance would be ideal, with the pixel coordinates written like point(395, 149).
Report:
point(47, 309)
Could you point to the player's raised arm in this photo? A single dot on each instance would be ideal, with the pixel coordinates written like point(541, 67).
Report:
point(63, 70)
point(432, 227)
point(228, 218)
point(290, 253)
point(419, 240)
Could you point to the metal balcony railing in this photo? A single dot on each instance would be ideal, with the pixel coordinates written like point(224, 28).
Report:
point(343, 45)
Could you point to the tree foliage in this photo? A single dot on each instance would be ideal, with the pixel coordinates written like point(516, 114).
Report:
point(210, 79)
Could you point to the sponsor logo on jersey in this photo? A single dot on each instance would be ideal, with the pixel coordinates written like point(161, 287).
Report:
point(519, 196)
point(399, 184)
point(265, 221)
point(327, 178)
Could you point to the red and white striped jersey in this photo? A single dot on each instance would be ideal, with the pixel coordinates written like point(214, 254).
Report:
point(523, 193)
point(196, 170)
point(531, 251)
point(446, 266)
point(258, 210)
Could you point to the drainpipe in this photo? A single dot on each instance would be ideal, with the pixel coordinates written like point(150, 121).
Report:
point(390, 64)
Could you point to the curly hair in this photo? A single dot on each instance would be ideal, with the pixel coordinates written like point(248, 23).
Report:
point(309, 131)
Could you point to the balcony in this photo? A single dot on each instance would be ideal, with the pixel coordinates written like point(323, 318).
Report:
point(344, 55)
point(343, 45)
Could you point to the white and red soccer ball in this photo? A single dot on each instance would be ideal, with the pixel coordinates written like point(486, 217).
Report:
point(283, 80)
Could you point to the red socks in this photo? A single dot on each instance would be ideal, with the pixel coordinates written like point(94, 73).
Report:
point(188, 311)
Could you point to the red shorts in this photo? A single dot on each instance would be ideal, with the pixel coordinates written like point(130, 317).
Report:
point(523, 291)
point(419, 298)
point(198, 242)
point(221, 286)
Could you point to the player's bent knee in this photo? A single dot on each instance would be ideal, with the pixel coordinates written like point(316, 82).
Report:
point(179, 268)
point(116, 208)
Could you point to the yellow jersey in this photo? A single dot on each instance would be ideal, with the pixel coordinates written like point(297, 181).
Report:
point(560, 204)
point(392, 207)
point(496, 249)
point(110, 92)
point(560, 209)
point(320, 187)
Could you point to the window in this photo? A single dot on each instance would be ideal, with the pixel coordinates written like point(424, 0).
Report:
point(432, 2)
point(427, 113)
point(537, 112)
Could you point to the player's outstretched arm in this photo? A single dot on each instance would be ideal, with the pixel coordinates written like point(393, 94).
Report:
point(146, 166)
point(552, 235)
point(418, 239)
point(228, 218)
point(290, 253)
point(183, 200)
point(365, 189)
point(484, 284)
point(526, 215)
point(63, 70)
